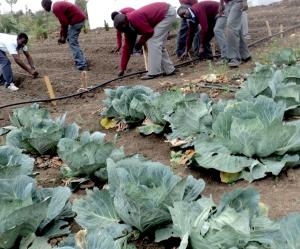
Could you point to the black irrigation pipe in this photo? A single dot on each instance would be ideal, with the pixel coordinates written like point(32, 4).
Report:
point(137, 73)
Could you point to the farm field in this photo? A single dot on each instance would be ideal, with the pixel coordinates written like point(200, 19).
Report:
point(279, 193)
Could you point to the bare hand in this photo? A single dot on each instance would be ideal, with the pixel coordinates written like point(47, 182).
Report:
point(201, 50)
point(121, 73)
point(34, 73)
point(61, 41)
point(184, 56)
point(115, 51)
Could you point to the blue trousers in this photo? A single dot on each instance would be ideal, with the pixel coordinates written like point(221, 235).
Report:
point(6, 74)
point(73, 35)
point(182, 36)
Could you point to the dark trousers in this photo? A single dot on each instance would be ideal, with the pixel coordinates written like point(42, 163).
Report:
point(73, 35)
point(182, 36)
point(6, 74)
point(207, 46)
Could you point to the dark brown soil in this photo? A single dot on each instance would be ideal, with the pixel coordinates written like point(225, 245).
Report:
point(281, 193)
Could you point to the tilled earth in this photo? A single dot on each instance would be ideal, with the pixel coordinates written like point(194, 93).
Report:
point(280, 193)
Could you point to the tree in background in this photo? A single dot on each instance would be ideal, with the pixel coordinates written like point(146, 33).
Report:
point(11, 3)
point(82, 5)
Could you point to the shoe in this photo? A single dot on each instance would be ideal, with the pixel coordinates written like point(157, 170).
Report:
point(170, 74)
point(12, 87)
point(149, 77)
point(234, 63)
point(247, 59)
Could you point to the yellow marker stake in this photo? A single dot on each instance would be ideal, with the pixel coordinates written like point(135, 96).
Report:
point(145, 54)
point(84, 80)
point(50, 89)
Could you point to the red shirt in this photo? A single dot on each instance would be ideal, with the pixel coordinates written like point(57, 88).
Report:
point(143, 21)
point(206, 13)
point(124, 11)
point(188, 2)
point(67, 14)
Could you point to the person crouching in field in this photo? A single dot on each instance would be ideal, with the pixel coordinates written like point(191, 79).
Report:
point(203, 14)
point(153, 22)
point(183, 32)
point(13, 45)
point(72, 19)
point(119, 34)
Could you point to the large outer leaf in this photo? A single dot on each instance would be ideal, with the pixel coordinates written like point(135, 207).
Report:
point(191, 118)
point(157, 107)
point(142, 191)
point(185, 216)
point(96, 210)
point(14, 163)
point(25, 210)
point(257, 82)
point(288, 236)
point(59, 199)
point(21, 223)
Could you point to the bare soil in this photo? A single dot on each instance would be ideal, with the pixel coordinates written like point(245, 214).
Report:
point(281, 193)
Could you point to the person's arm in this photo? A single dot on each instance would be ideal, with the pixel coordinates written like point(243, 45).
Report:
point(190, 35)
point(59, 13)
point(204, 28)
point(126, 52)
point(31, 63)
point(145, 37)
point(18, 60)
point(189, 39)
point(119, 40)
point(29, 59)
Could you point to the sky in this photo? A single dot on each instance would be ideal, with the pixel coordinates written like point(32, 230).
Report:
point(100, 10)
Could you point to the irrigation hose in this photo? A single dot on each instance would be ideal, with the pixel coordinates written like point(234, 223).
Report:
point(136, 73)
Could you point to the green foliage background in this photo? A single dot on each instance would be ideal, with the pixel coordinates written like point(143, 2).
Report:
point(37, 25)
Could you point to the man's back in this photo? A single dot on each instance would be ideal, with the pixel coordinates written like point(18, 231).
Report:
point(147, 17)
point(207, 10)
point(188, 2)
point(68, 13)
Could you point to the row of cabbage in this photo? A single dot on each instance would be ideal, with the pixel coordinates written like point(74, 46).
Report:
point(244, 138)
point(141, 197)
point(29, 215)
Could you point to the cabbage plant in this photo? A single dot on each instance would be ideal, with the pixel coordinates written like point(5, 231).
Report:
point(139, 195)
point(36, 132)
point(239, 221)
point(26, 210)
point(14, 163)
point(86, 155)
point(250, 139)
point(125, 103)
